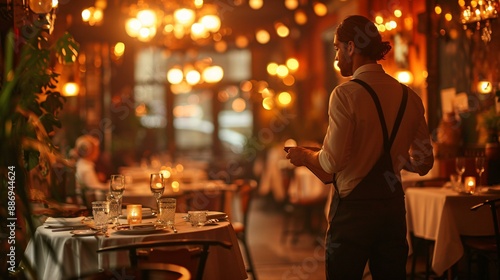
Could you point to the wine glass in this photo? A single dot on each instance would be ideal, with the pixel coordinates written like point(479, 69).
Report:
point(117, 185)
point(116, 188)
point(479, 168)
point(157, 186)
point(460, 166)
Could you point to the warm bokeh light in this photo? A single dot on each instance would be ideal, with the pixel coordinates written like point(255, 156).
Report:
point(211, 22)
point(484, 87)
point(398, 13)
point(220, 46)
point(246, 86)
point(438, 10)
point(291, 4)
point(175, 76)
point(282, 30)
point(379, 19)
point(255, 4)
point(267, 103)
point(119, 49)
point(289, 80)
point(448, 16)
point(300, 17)
point(239, 105)
point(213, 74)
point(184, 16)
point(405, 77)
point(241, 41)
point(262, 36)
point(282, 71)
point(193, 77)
point(71, 89)
point(284, 98)
point(320, 9)
point(272, 68)
point(292, 64)
point(132, 27)
point(147, 18)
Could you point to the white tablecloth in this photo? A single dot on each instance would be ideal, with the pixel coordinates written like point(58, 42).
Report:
point(58, 255)
point(442, 215)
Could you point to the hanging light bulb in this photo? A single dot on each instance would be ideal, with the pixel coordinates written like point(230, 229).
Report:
point(184, 16)
point(175, 76)
point(40, 6)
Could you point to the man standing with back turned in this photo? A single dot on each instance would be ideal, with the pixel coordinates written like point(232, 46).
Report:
point(377, 127)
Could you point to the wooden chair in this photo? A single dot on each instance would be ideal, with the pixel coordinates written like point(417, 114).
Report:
point(484, 250)
point(245, 194)
point(164, 271)
point(304, 208)
point(141, 259)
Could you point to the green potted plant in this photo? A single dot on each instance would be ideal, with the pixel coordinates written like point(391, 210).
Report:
point(29, 107)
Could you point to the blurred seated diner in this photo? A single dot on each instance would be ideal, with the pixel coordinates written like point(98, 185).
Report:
point(90, 185)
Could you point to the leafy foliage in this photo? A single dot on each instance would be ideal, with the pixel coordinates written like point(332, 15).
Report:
point(29, 108)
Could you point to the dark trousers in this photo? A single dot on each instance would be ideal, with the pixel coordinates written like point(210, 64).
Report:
point(367, 230)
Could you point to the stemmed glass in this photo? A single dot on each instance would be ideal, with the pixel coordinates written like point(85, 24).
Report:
point(116, 188)
point(157, 186)
point(117, 185)
point(460, 166)
point(479, 168)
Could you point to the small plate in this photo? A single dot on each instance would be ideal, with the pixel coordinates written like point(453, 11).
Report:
point(83, 232)
point(141, 230)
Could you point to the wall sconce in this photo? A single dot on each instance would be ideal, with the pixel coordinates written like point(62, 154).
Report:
point(71, 89)
point(42, 6)
point(404, 76)
point(484, 87)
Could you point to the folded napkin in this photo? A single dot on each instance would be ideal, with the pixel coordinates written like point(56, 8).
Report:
point(51, 221)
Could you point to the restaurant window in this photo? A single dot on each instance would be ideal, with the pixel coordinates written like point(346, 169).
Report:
point(235, 118)
point(193, 108)
point(193, 121)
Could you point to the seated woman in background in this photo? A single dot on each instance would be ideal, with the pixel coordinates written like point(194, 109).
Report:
point(88, 185)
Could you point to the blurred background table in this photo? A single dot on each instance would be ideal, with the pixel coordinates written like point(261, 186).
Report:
point(443, 216)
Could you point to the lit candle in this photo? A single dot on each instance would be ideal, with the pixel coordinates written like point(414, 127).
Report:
point(470, 184)
point(134, 214)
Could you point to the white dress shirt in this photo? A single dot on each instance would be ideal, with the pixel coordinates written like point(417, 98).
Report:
point(353, 142)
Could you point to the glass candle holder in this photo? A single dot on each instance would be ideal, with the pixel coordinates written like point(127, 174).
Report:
point(134, 214)
point(470, 184)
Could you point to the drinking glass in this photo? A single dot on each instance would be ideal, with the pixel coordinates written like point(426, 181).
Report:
point(460, 166)
point(166, 211)
point(117, 185)
point(479, 169)
point(115, 208)
point(100, 211)
point(157, 186)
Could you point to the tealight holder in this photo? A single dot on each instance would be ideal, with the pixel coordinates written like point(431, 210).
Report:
point(134, 214)
point(470, 184)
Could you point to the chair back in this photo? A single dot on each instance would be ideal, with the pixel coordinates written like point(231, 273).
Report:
point(202, 243)
point(493, 204)
point(245, 190)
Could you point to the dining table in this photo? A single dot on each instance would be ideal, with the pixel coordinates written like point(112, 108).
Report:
point(443, 215)
point(63, 248)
